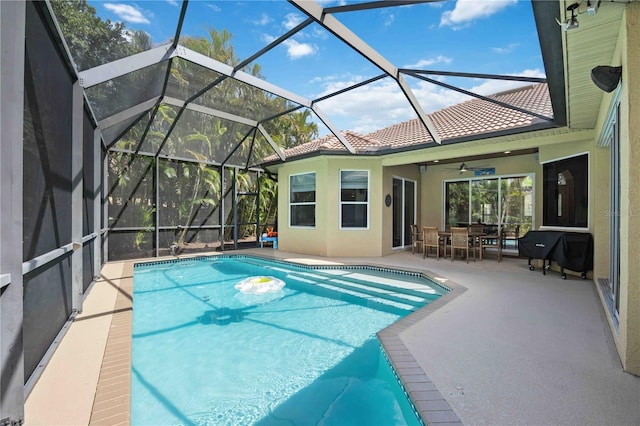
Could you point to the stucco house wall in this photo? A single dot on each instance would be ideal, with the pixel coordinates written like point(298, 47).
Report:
point(327, 238)
point(627, 337)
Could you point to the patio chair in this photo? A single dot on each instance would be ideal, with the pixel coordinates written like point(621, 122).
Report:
point(476, 229)
point(492, 240)
point(432, 239)
point(460, 241)
point(416, 238)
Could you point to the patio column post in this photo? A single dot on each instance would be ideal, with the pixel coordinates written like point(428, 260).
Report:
point(12, 34)
point(77, 189)
point(97, 203)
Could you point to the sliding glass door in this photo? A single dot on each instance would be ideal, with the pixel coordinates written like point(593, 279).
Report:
point(404, 211)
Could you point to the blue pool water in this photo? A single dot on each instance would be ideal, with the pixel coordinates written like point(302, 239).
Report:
point(206, 354)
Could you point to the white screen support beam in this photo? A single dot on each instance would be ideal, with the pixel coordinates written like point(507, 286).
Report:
point(106, 72)
point(128, 113)
point(271, 142)
point(333, 129)
point(212, 64)
point(209, 111)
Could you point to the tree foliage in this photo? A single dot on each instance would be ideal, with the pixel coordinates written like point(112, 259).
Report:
point(91, 40)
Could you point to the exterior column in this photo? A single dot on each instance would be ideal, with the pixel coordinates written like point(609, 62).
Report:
point(97, 202)
point(12, 34)
point(77, 189)
point(630, 204)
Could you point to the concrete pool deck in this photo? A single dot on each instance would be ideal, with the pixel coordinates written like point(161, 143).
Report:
point(517, 347)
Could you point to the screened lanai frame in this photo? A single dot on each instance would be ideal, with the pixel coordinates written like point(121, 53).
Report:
point(142, 101)
point(57, 214)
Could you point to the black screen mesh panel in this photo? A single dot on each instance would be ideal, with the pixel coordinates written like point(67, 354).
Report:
point(187, 79)
point(88, 193)
point(229, 176)
point(130, 191)
point(242, 99)
point(110, 134)
point(47, 143)
point(87, 265)
point(251, 152)
point(47, 306)
point(131, 244)
point(190, 195)
point(203, 137)
point(127, 91)
point(195, 240)
point(157, 133)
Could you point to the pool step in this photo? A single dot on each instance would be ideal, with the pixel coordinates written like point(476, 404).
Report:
point(404, 299)
point(381, 291)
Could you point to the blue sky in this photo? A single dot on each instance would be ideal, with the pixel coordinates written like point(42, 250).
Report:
point(480, 36)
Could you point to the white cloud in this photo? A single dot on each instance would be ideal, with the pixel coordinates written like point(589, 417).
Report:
point(467, 11)
point(172, 2)
point(503, 50)
point(389, 20)
point(489, 87)
point(382, 104)
point(292, 20)
point(440, 59)
point(264, 20)
point(267, 38)
point(297, 50)
point(127, 13)
point(213, 7)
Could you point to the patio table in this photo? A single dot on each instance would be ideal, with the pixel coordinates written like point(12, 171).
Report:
point(473, 236)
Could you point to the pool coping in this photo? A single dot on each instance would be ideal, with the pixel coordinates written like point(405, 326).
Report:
point(112, 402)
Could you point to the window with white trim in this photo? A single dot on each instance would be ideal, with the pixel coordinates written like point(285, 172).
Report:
point(302, 200)
point(354, 199)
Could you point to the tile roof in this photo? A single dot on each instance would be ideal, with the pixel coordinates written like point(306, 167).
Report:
point(470, 118)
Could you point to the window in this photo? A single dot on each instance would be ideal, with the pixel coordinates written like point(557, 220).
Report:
point(302, 200)
point(354, 198)
point(566, 192)
point(500, 201)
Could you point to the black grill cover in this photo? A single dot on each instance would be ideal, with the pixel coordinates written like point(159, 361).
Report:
point(570, 250)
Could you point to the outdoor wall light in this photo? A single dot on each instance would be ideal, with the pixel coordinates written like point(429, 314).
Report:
point(571, 22)
point(606, 77)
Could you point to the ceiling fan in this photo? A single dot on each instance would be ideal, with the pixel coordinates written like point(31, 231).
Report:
point(463, 168)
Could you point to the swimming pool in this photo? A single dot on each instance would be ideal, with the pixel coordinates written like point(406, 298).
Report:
point(205, 353)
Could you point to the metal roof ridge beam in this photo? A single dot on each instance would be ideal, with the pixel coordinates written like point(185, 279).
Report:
point(120, 67)
point(346, 89)
point(212, 64)
point(375, 5)
point(275, 147)
point(127, 113)
point(485, 98)
point(209, 111)
point(336, 132)
point(431, 128)
point(183, 12)
point(475, 75)
point(316, 11)
point(274, 43)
